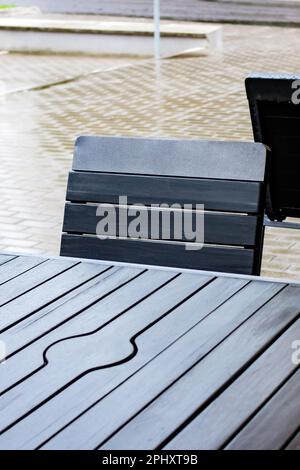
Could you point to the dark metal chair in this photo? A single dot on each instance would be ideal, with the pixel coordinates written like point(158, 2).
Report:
point(229, 178)
point(275, 113)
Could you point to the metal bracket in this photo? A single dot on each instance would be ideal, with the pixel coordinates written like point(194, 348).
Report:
point(270, 223)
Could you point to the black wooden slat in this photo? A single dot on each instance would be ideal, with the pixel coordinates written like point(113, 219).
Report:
point(278, 420)
point(221, 195)
point(30, 279)
point(155, 424)
point(189, 158)
point(225, 229)
point(98, 305)
point(68, 405)
point(216, 425)
point(54, 280)
point(6, 258)
point(18, 266)
point(205, 310)
point(106, 284)
point(294, 444)
point(159, 253)
point(68, 359)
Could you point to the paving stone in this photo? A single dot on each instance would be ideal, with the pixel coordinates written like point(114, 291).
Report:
point(199, 97)
point(44, 69)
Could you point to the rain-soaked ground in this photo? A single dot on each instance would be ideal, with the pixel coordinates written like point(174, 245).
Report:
point(248, 11)
point(193, 97)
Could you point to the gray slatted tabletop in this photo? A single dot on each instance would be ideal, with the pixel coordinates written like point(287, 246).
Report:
point(103, 356)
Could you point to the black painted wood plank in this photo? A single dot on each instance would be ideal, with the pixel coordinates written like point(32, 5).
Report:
point(110, 297)
point(294, 444)
point(57, 412)
point(6, 258)
point(18, 266)
point(67, 308)
point(189, 158)
point(219, 422)
point(57, 279)
point(235, 260)
point(154, 426)
point(221, 195)
point(31, 279)
point(276, 422)
point(65, 360)
point(225, 229)
point(215, 320)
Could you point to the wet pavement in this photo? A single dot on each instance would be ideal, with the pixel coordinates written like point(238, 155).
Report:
point(247, 11)
point(193, 97)
point(26, 71)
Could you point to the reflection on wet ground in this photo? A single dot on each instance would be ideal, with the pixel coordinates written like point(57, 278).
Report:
point(23, 71)
point(193, 97)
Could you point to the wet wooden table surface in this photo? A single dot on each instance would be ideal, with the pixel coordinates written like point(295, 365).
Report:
point(99, 356)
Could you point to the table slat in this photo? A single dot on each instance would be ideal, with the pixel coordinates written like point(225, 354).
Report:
point(113, 297)
point(58, 280)
point(123, 357)
point(6, 258)
point(66, 307)
point(18, 266)
point(294, 444)
point(98, 423)
point(65, 360)
point(212, 428)
point(278, 420)
point(90, 388)
point(31, 279)
point(152, 427)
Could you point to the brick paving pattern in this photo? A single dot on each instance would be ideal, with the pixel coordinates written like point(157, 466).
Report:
point(193, 97)
point(23, 71)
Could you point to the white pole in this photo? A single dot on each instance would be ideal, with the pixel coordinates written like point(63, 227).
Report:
point(157, 29)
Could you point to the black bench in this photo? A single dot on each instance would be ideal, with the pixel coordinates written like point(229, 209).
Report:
point(229, 178)
point(276, 122)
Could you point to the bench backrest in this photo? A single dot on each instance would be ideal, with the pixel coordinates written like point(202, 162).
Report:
point(228, 178)
point(275, 118)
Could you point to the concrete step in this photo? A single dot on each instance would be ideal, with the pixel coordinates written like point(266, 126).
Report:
point(65, 34)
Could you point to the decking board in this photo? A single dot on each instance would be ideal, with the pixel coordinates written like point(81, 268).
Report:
point(124, 357)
